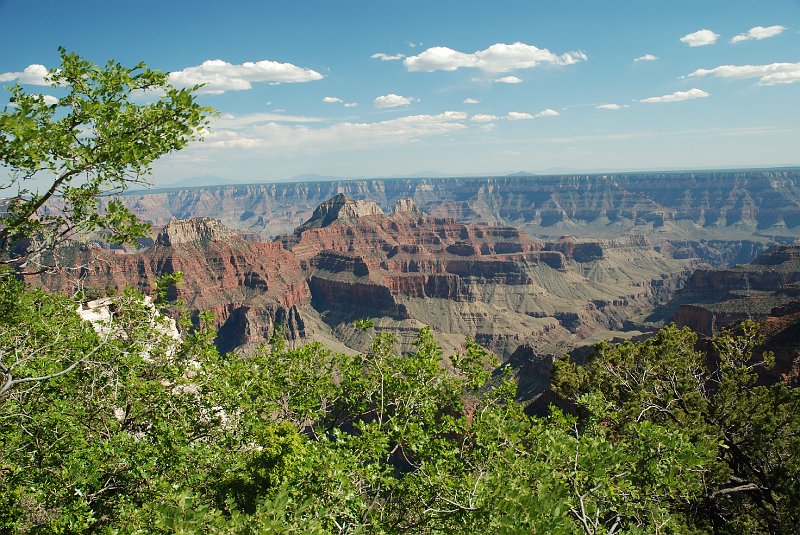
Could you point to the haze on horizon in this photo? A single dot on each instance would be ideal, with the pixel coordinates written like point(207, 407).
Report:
point(353, 89)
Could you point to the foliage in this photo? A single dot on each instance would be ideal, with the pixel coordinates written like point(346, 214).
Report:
point(96, 140)
point(753, 479)
point(165, 283)
point(151, 434)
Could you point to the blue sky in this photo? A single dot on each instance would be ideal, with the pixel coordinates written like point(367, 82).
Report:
point(351, 89)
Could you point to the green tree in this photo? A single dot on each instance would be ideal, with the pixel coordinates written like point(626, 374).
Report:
point(96, 140)
point(752, 480)
point(151, 434)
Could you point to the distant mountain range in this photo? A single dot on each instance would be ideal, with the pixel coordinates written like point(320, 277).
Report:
point(197, 181)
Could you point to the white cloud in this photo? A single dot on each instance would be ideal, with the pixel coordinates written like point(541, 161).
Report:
point(700, 38)
point(518, 116)
point(387, 57)
point(611, 106)
point(471, 100)
point(759, 32)
point(646, 57)
point(499, 57)
point(508, 80)
point(337, 100)
point(392, 101)
point(772, 74)
point(677, 96)
point(221, 76)
point(269, 135)
point(546, 113)
point(483, 118)
point(232, 122)
point(34, 74)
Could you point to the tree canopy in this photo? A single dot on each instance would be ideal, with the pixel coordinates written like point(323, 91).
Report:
point(100, 137)
point(151, 434)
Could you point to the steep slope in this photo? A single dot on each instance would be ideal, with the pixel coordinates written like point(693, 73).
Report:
point(491, 283)
point(717, 298)
point(248, 286)
point(404, 270)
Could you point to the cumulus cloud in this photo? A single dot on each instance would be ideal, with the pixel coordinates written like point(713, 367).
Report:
point(646, 57)
point(387, 57)
point(759, 32)
point(483, 118)
point(34, 74)
point(677, 96)
point(499, 57)
point(471, 100)
point(611, 106)
point(508, 80)
point(392, 101)
point(700, 38)
point(772, 74)
point(546, 113)
point(220, 76)
point(518, 116)
point(350, 104)
point(271, 135)
point(332, 100)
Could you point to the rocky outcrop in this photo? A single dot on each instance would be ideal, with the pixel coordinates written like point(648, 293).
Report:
point(200, 230)
point(408, 207)
point(343, 209)
point(249, 287)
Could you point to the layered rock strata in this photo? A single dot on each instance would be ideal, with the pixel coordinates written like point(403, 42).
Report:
point(688, 206)
point(350, 260)
point(249, 287)
point(714, 299)
point(492, 283)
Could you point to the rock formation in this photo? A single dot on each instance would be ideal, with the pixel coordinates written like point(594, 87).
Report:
point(350, 260)
point(687, 206)
point(492, 283)
point(248, 286)
point(714, 299)
point(341, 208)
point(199, 230)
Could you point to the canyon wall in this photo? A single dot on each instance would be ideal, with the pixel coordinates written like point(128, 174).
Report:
point(686, 205)
point(405, 269)
point(714, 299)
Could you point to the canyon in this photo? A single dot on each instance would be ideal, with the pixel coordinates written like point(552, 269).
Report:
point(401, 270)
point(693, 206)
point(529, 267)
